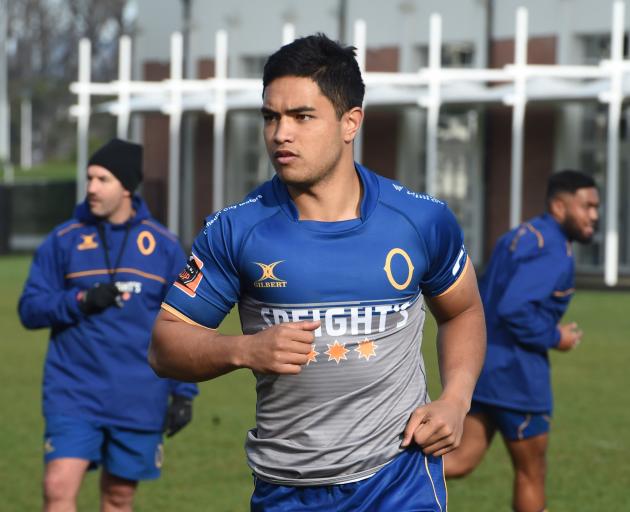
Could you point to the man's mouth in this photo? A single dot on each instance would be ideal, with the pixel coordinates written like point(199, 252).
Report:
point(284, 156)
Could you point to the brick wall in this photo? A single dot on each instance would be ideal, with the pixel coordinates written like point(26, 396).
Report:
point(380, 127)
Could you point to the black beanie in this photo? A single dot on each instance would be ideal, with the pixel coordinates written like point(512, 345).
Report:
point(123, 159)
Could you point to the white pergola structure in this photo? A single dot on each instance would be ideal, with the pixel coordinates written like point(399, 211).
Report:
point(429, 88)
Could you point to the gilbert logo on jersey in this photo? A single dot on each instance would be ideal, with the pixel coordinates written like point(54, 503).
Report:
point(268, 279)
point(87, 242)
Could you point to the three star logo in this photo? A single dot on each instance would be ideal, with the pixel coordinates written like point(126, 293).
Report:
point(338, 352)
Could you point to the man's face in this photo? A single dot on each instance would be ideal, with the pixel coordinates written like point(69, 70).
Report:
point(303, 135)
point(580, 212)
point(105, 193)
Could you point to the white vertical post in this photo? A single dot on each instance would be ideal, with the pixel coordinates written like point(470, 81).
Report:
point(83, 115)
point(124, 77)
point(288, 33)
point(360, 43)
point(611, 251)
point(518, 118)
point(5, 116)
point(26, 134)
point(433, 103)
point(175, 118)
point(218, 158)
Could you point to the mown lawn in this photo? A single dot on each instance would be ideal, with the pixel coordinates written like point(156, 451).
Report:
point(49, 171)
point(205, 464)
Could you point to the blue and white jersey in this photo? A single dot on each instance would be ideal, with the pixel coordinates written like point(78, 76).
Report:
point(342, 417)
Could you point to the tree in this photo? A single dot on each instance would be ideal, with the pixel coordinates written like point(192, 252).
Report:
point(43, 60)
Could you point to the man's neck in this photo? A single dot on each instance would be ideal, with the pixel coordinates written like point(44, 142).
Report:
point(334, 199)
point(122, 215)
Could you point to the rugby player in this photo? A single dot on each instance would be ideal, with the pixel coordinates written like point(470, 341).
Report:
point(331, 266)
point(526, 290)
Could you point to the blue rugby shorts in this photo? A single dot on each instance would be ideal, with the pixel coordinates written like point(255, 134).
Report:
point(514, 425)
point(409, 482)
point(130, 454)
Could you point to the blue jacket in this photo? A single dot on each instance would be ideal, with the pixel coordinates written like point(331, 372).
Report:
point(96, 366)
point(525, 291)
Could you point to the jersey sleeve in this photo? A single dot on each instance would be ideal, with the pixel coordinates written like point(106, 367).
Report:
point(177, 263)
point(445, 249)
point(208, 286)
point(523, 306)
point(45, 301)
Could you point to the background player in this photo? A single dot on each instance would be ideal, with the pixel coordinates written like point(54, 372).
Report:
point(329, 263)
point(525, 291)
point(97, 281)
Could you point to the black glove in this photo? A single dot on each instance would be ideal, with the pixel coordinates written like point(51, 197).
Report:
point(178, 415)
point(98, 298)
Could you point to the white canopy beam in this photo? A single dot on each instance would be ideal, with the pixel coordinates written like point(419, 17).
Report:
point(360, 38)
point(5, 116)
point(83, 115)
point(615, 99)
point(433, 103)
point(518, 118)
point(220, 111)
point(288, 33)
point(175, 121)
point(124, 93)
point(26, 133)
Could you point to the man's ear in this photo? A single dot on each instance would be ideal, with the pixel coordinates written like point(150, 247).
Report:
point(351, 122)
point(558, 207)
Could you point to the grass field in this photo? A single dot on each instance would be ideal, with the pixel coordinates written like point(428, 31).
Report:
point(50, 171)
point(205, 466)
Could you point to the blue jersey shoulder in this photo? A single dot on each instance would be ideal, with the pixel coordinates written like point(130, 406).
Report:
point(258, 205)
point(438, 233)
point(394, 193)
point(536, 236)
point(421, 210)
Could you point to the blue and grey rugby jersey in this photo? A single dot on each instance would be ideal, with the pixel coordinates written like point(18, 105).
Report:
point(342, 417)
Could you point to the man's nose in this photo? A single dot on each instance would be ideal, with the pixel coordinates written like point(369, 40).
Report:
point(284, 131)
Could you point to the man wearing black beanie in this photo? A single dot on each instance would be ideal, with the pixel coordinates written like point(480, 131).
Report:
point(98, 281)
point(123, 159)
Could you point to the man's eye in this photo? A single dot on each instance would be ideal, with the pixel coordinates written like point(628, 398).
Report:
point(304, 117)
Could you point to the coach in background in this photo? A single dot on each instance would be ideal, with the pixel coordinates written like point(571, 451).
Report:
point(525, 291)
point(97, 281)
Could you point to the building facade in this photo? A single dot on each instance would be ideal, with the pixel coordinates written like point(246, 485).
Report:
point(474, 138)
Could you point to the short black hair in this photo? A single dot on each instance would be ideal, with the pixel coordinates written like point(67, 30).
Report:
point(331, 66)
point(569, 181)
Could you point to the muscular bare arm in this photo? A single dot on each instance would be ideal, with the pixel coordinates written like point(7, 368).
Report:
point(437, 427)
point(191, 352)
